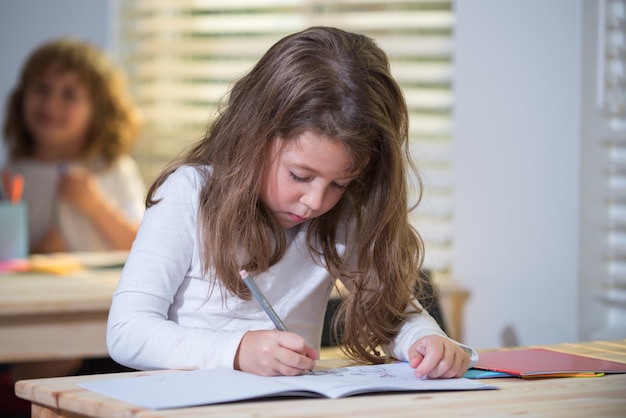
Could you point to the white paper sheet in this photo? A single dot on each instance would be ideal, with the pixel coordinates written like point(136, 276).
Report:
point(211, 386)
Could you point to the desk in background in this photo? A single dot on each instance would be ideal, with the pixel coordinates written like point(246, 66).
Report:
point(45, 316)
point(49, 316)
point(552, 397)
point(453, 297)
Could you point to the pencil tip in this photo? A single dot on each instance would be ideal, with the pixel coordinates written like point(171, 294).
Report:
point(243, 274)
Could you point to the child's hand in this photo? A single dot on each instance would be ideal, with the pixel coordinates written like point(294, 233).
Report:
point(437, 357)
point(79, 188)
point(272, 353)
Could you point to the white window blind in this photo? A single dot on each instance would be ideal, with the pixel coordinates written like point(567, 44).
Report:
point(181, 56)
point(612, 100)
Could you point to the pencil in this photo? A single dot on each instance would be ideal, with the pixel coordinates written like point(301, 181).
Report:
point(17, 188)
point(265, 304)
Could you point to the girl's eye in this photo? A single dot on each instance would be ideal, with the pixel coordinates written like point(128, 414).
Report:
point(336, 186)
point(39, 88)
point(341, 187)
point(298, 178)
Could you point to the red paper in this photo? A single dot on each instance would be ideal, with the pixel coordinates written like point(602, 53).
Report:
point(539, 361)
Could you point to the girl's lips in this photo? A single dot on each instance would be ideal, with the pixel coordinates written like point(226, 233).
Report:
point(296, 218)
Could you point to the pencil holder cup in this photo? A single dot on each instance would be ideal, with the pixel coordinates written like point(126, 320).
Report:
point(13, 230)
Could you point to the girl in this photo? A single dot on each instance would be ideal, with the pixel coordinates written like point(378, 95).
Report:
point(300, 180)
point(69, 129)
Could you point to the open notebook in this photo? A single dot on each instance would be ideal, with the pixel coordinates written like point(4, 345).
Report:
point(536, 362)
point(211, 386)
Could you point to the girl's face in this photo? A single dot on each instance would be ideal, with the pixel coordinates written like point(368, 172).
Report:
point(57, 112)
point(305, 178)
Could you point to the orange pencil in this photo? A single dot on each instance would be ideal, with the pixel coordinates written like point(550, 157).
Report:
point(17, 188)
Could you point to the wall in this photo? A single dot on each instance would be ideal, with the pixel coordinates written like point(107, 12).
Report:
point(517, 152)
point(24, 24)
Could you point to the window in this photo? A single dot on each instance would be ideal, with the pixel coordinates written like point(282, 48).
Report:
point(182, 55)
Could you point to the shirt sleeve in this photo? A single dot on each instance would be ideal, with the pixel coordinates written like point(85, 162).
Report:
point(140, 333)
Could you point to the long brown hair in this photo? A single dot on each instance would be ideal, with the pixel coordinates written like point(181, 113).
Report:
point(336, 84)
point(115, 122)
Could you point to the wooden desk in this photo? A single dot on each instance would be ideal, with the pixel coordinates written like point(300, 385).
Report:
point(556, 397)
point(47, 316)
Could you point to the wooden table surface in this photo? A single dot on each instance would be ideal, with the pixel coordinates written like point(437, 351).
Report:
point(51, 316)
point(552, 397)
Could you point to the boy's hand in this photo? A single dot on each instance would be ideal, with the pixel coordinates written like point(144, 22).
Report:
point(274, 353)
point(438, 357)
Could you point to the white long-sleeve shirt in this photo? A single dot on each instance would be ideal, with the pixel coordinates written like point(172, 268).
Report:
point(167, 315)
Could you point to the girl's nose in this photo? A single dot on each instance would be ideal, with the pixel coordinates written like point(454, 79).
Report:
point(314, 198)
point(48, 101)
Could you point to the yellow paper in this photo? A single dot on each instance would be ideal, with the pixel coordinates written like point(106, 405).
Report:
point(545, 376)
point(54, 263)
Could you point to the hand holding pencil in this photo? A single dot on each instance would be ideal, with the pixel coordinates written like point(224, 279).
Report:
point(271, 353)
